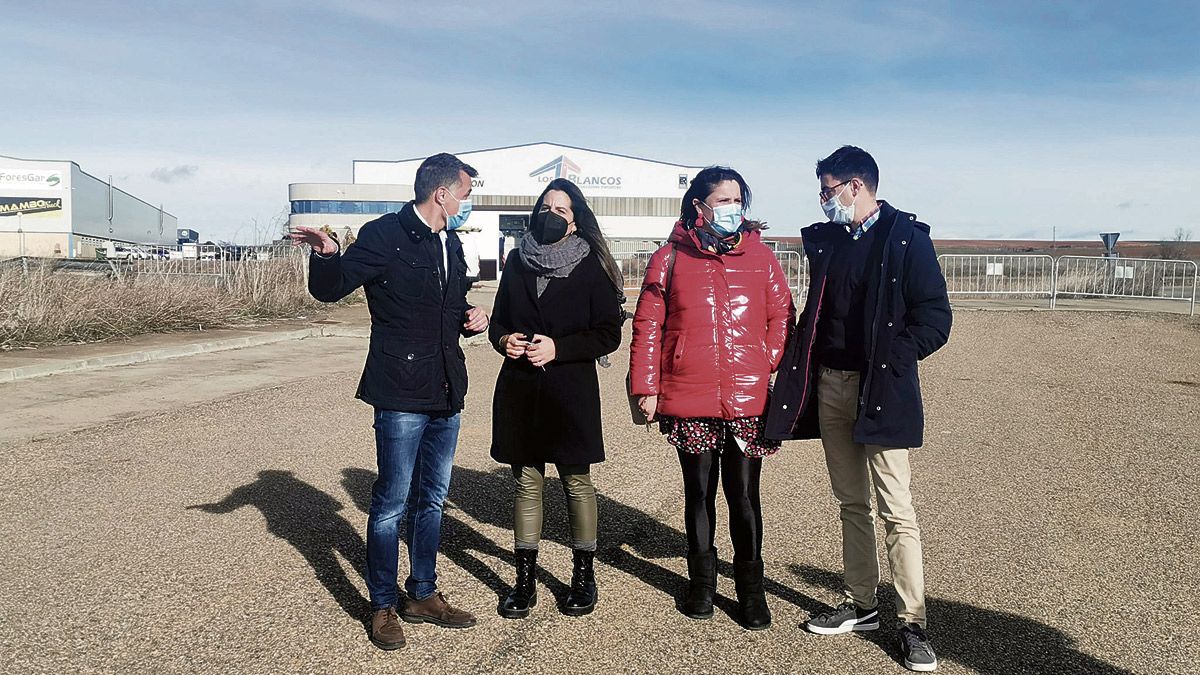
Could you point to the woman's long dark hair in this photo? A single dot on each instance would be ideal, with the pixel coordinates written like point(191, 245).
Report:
point(703, 185)
point(587, 227)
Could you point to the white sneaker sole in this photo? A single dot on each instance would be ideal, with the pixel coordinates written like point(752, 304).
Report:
point(921, 667)
point(846, 627)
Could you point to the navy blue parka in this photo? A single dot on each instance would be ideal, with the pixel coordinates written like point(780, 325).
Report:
point(907, 314)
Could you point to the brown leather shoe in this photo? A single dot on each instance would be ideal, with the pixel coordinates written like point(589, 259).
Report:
point(437, 611)
point(386, 631)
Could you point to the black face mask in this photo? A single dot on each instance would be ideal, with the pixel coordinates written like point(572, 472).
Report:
point(548, 227)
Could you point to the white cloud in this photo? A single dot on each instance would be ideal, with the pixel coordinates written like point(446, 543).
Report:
point(171, 174)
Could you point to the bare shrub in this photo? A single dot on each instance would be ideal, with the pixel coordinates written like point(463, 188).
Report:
point(1176, 247)
point(42, 306)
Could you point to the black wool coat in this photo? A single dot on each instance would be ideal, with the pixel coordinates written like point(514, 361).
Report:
point(414, 363)
point(907, 315)
point(553, 416)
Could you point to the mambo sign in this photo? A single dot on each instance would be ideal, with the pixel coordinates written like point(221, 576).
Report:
point(30, 178)
point(563, 167)
point(11, 206)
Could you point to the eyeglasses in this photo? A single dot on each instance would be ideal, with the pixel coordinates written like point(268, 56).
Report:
point(827, 192)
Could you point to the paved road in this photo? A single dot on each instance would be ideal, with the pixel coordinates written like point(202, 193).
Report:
point(1057, 493)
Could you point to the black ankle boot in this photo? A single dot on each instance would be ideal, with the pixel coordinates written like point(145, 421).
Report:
point(702, 585)
point(582, 598)
point(748, 578)
point(524, 593)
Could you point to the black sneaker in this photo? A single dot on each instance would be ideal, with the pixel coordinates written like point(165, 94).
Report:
point(918, 653)
point(845, 618)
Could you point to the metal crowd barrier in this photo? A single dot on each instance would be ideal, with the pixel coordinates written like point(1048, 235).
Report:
point(192, 261)
point(795, 269)
point(202, 261)
point(633, 268)
point(1005, 275)
point(1041, 276)
point(623, 246)
point(1129, 278)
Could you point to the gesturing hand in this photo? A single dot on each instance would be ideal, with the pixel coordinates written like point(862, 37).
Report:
point(541, 350)
point(320, 242)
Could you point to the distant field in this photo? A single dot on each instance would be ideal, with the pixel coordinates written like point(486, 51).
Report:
point(1128, 249)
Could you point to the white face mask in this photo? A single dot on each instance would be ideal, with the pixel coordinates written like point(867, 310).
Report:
point(838, 212)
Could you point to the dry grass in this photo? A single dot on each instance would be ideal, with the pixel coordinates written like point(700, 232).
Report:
point(42, 306)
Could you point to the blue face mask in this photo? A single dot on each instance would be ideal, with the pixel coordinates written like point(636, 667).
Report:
point(727, 219)
point(457, 220)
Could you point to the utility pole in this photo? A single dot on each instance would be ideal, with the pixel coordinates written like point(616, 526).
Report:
point(20, 235)
point(1053, 237)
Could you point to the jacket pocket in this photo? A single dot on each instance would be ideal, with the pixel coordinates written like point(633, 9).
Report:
point(900, 370)
point(413, 369)
point(766, 355)
point(675, 358)
point(412, 277)
point(901, 363)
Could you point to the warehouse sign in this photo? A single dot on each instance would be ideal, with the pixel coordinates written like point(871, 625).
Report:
point(11, 206)
point(563, 167)
point(31, 179)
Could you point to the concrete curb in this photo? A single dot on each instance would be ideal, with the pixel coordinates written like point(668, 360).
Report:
point(143, 356)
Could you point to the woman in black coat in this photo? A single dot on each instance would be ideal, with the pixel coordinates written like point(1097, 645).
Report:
point(558, 309)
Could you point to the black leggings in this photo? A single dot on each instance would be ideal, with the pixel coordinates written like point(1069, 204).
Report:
point(739, 476)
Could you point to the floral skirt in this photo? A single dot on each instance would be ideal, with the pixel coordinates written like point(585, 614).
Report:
point(707, 434)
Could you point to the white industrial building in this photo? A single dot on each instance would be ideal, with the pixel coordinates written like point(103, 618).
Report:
point(632, 197)
point(52, 208)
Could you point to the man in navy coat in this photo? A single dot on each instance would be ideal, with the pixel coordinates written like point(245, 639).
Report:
point(876, 305)
point(412, 267)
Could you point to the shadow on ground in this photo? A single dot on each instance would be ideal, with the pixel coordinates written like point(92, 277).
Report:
point(985, 640)
point(486, 497)
point(308, 519)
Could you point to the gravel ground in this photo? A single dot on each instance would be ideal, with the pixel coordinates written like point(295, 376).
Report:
point(221, 528)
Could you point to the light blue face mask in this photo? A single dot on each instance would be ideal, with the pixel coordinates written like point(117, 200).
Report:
point(727, 219)
point(459, 219)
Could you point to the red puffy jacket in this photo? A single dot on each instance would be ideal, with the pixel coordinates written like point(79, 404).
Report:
point(709, 351)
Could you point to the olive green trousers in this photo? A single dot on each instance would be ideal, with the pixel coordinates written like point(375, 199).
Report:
point(581, 504)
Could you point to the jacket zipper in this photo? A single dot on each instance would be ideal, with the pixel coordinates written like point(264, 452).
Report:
point(879, 303)
point(808, 354)
point(720, 399)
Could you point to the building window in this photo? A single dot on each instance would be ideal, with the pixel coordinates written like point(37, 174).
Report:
point(330, 206)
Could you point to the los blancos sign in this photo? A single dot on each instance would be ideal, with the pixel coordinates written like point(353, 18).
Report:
point(563, 167)
point(31, 179)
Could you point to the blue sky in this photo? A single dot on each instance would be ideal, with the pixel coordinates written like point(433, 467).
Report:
point(988, 119)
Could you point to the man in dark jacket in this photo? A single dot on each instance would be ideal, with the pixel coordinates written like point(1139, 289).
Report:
point(412, 267)
point(876, 305)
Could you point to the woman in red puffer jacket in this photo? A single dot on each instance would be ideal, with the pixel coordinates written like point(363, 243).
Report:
point(710, 328)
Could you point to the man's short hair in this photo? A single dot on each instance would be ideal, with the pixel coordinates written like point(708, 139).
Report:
point(849, 162)
point(437, 171)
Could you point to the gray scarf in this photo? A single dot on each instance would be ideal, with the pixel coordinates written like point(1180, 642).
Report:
point(552, 260)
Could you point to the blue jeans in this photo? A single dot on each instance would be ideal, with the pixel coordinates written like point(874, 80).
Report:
point(415, 453)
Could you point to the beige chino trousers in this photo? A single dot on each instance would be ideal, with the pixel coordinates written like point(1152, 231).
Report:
point(853, 468)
